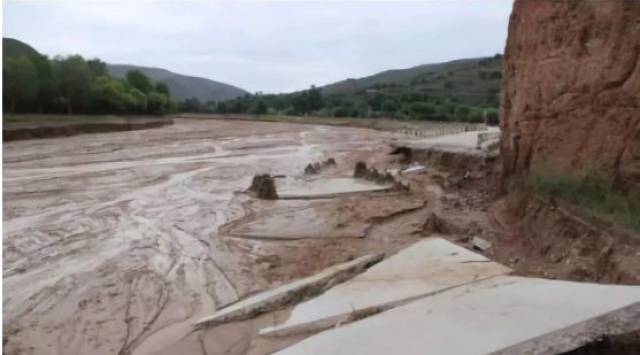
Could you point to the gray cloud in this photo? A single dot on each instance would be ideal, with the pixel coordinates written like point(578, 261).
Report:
point(264, 46)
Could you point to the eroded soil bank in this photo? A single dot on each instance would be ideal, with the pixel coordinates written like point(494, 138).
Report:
point(72, 129)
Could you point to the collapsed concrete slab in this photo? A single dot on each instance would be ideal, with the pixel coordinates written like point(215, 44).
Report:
point(427, 267)
point(275, 298)
point(500, 315)
point(289, 189)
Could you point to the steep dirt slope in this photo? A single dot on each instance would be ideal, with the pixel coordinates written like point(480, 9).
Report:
point(571, 96)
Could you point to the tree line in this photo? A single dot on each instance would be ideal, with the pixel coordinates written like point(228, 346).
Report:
point(371, 103)
point(73, 85)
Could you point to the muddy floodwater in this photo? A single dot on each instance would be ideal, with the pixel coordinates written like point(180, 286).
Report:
point(111, 241)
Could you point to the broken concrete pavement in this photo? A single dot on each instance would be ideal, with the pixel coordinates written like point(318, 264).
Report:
point(275, 298)
point(500, 315)
point(428, 267)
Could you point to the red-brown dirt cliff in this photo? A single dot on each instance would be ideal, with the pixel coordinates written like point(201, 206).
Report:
point(571, 91)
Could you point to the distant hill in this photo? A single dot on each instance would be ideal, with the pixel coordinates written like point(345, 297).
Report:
point(14, 48)
point(182, 87)
point(474, 81)
point(463, 90)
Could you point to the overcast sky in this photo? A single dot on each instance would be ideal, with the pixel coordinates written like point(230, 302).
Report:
point(263, 46)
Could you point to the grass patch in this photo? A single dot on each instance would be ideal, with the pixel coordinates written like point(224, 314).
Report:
point(595, 193)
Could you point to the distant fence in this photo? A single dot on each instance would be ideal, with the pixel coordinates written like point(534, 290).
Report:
point(439, 130)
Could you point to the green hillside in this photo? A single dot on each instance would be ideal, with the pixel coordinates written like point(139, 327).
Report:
point(474, 81)
point(14, 48)
point(461, 90)
point(182, 87)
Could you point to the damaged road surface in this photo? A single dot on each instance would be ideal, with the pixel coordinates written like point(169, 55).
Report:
point(499, 315)
point(428, 267)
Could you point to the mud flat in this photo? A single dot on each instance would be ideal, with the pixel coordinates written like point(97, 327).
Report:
point(111, 240)
point(118, 243)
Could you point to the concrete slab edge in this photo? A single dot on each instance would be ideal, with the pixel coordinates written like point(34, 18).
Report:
point(621, 321)
point(342, 319)
point(316, 285)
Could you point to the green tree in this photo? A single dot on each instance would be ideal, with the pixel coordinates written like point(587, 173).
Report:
point(422, 110)
point(376, 101)
point(139, 81)
point(157, 103)
point(137, 101)
point(163, 89)
point(259, 108)
point(390, 106)
point(97, 68)
point(74, 81)
point(462, 112)
point(221, 107)
point(191, 105)
point(109, 95)
point(46, 83)
point(300, 103)
point(314, 99)
point(19, 80)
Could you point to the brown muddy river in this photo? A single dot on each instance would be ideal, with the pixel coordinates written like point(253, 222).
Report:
point(111, 241)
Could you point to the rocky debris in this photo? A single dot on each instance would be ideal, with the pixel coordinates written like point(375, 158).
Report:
point(400, 186)
point(571, 89)
point(435, 224)
point(480, 243)
point(372, 174)
point(360, 170)
point(293, 292)
point(405, 152)
point(414, 169)
point(264, 187)
point(312, 169)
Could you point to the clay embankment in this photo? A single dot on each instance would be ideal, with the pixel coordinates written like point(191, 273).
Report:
point(571, 89)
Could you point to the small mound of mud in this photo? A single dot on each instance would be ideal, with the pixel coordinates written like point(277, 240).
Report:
point(435, 224)
point(264, 187)
point(399, 186)
point(360, 170)
point(372, 174)
point(316, 167)
point(405, 152)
